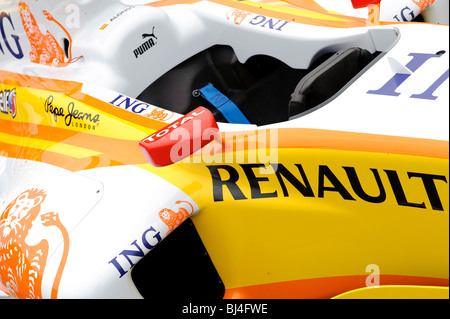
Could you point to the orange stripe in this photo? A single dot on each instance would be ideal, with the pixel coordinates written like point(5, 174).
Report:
point(21, 80)
point(67, 162)
point(363, 142)
point(164, 3)
point(305, 4)
point(90, 141)
point(301, 138)
point(351, 21)
point(115, 152)
point(123, 152)
point(73, 90)
point(126, 151)
point(49, 157)
point(125, 115)
point(324, 288)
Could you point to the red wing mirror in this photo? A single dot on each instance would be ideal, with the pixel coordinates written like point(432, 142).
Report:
point(364, 3)
point(180, 139)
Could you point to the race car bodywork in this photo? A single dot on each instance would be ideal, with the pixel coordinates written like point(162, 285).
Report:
point(329, 175)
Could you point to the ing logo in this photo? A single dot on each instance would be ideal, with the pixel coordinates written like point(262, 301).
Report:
point(174, 219)
point(417, 60)
point(22, 265)
point(44, 47)
point(124, 261)
point(15, 51)
point(423, 4)
point(238, 16)
point(159, 115)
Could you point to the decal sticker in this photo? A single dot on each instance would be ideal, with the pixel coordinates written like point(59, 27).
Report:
point(404, 10)
point(22, 266)
point(328, 181)
point(120, 13)
point(71, 115)
point(270, 23)
point(8, 102)
point(174, 219)
point(417, 61)
point(147, 45)
point(149, 239)
point(422, 4)
point(239, 16)
point(15, 49)
point(44, 48)
point(404, 13)
point(152, 236)
point(142, 108)
point(159, 114)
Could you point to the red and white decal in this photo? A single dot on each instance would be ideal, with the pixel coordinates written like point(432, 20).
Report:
point(181, 138)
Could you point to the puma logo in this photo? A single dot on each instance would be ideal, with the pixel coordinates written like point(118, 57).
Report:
point(151, 35)
point(147, 45)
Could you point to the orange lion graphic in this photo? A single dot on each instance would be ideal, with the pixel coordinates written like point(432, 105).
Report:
point(44, 48)
point(174, 219)
point(159, 114)
point(238, 16)
point(22, 266)
point(423, 4)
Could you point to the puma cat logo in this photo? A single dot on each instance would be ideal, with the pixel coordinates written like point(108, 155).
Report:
point(151, 35)
point(147, 45)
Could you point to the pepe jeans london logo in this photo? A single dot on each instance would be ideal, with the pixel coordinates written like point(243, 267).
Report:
point(72, 116)
point(147, 45)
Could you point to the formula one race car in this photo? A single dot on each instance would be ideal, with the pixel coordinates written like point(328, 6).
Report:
point(224, 149)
